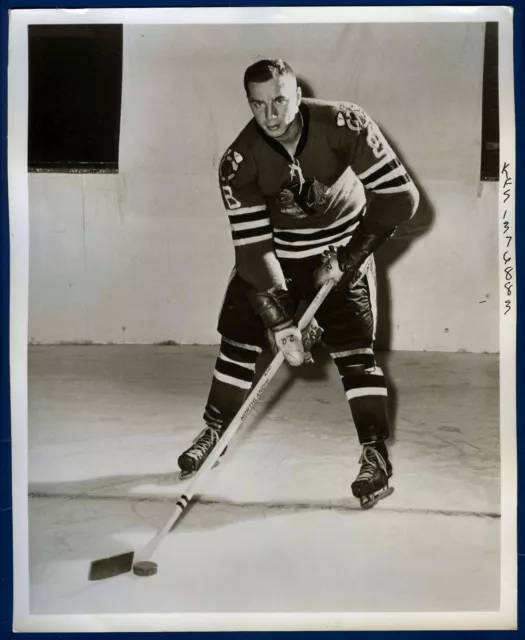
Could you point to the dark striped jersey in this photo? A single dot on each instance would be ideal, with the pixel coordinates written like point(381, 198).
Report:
point(295, 207)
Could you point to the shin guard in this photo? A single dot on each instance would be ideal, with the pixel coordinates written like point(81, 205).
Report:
point(232, 380)
point(366, 392)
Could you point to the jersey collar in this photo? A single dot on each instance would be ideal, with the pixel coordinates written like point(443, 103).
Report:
point(276, 146)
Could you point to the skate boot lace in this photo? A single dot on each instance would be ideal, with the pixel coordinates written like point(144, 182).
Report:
point(203, 443)
point(370, 460)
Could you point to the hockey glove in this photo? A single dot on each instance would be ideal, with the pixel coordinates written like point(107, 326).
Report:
point(276, 309)
point(311, 334)
point(343, 264)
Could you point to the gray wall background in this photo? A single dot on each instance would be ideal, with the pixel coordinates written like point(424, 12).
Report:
point(144, 256)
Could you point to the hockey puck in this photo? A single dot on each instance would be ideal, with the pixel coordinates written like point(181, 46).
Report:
point(144, 569)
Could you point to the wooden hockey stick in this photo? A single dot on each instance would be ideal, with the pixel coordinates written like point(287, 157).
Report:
point(124, 562)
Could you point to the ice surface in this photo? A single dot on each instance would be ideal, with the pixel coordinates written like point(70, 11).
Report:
point(276, 528)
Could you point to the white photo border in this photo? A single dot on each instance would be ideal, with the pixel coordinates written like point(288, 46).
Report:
point(506, 617)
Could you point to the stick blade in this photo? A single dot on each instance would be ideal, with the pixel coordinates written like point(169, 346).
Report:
point(111, 567)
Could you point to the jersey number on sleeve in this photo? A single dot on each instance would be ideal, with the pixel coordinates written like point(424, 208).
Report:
point(357, 120)
point(231, 202)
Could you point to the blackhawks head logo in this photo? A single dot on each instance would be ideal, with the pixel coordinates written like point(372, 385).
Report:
point(300, 198)
point(355, 119)
point(230, 165)
point(352, 117)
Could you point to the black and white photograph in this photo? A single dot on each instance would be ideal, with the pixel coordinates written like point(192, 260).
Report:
point(263, 317)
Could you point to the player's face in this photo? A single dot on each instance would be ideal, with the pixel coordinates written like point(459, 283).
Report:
point(275, 104)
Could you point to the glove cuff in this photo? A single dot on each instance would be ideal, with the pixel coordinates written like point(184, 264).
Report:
point(362, 244)
point(275, 307)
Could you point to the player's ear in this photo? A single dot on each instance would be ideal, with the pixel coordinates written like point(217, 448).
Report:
point(299, 95)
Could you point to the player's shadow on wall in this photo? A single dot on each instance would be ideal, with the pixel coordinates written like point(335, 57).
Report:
point(306, 87)
point(386, 257)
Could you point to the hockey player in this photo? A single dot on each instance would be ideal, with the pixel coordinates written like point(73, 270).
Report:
point(311, 189)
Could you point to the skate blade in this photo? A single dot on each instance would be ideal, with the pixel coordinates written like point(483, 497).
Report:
point(184, 475)
point(367, 502)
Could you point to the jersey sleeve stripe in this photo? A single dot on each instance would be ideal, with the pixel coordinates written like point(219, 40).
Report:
point(394, 182)
point(387, 175)
point(407, 186)
point(244, 241)
point(368, 172)
point(249, 217)
point(242, 234)
point(250, 225)
point(236, 212)
point(382, 171)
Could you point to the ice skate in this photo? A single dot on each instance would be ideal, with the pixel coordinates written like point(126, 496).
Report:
point(371, 484)
point(191, 460)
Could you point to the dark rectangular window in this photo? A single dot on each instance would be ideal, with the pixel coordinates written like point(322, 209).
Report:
point(490, 113)
point(75, 90)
